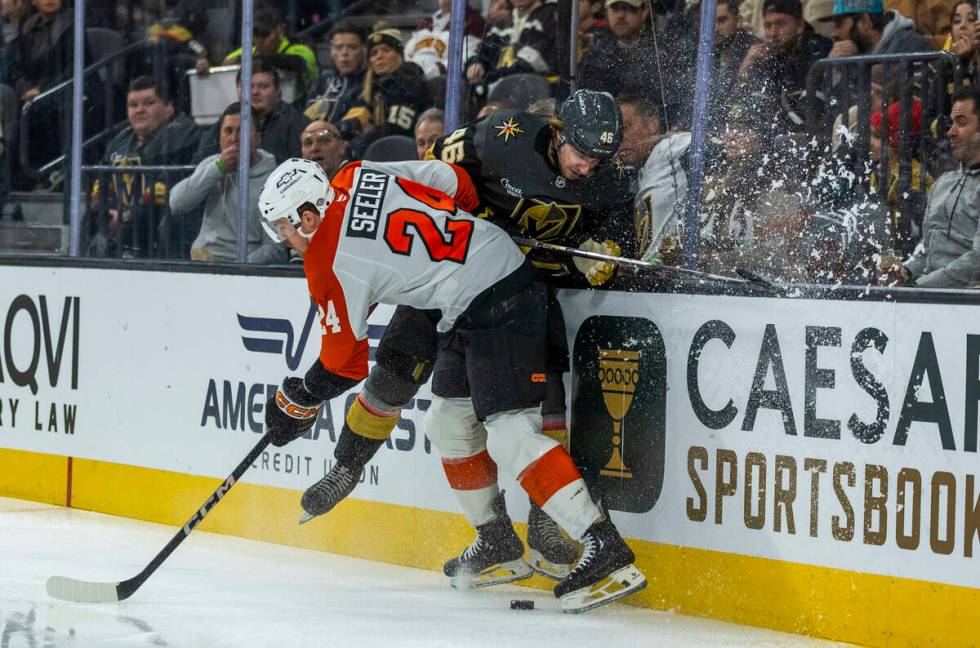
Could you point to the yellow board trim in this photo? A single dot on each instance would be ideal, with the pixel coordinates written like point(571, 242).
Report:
point(791, 597)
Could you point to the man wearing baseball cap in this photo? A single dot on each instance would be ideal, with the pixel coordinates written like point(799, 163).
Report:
point(865, 27)
point(623, 59)
point(781, 62)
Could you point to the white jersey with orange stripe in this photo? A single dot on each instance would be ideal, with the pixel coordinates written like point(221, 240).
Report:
point(389, 240)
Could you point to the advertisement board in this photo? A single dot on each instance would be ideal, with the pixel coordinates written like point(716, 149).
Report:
point(841, 434)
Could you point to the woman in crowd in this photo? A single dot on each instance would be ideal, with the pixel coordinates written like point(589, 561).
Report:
point(395, 93)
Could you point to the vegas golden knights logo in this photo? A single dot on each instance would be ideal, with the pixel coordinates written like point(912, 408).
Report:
point(545, 220)
point(619, 410)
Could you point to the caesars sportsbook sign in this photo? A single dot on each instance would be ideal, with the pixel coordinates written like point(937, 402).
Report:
point(833, 433)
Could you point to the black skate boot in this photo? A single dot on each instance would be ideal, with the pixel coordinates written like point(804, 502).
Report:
point(495, 557)
point(552, 555)
point(327, 493)
point(604, 573)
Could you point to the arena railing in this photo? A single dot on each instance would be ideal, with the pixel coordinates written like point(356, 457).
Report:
point(843, 93)
point(127, 213)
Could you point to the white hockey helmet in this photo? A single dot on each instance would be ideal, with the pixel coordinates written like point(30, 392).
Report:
point(293, 184)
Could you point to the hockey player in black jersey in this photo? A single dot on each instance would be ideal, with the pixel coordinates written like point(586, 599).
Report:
point(551, 180)
point(546, 179)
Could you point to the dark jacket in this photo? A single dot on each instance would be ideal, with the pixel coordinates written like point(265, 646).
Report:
point(280, 132)
point(616, 67)
point(530, 47)
point(787, 72)
point(171, 144)
point(397, 100)
point(332, 95)
point(42, 55)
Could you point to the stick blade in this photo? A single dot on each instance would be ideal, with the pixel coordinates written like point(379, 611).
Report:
point(79, 591)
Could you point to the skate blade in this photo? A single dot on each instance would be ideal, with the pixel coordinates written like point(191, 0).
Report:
point(554, 571)
point(613, 587)
point(306, 517)
point(498, 574)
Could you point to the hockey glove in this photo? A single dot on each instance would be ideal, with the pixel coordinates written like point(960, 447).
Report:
point(291, 412)
point(597, 272)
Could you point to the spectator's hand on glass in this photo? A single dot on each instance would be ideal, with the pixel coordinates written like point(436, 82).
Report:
point(229, 158)
point(203, 67)
point(843, 48)
point(891, 271)
point(475, 73)
point(30, 93)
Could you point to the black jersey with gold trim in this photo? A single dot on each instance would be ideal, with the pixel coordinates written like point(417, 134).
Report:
point(512, 161)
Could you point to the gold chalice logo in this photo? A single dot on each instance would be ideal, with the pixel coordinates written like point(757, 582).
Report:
point(619, 372)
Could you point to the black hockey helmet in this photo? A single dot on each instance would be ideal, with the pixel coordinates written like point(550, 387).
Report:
point(593, 123)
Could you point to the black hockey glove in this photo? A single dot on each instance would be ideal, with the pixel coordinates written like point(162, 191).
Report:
point(291, 412)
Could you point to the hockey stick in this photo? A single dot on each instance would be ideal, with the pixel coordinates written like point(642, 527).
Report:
point(79, 591)
point(744, 278)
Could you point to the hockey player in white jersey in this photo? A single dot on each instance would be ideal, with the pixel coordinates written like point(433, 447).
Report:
point(370, 237)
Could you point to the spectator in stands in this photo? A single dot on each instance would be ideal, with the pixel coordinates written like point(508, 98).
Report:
point(428, 46)
point(269, 42)
point(394, 94)
point(864, 27)
point(156, 136)
point(42, 54)
point(430, 127)
point(322, 143)
point(962, 41)
point(40, 58)
point(949, 255)
point(750, 218)
point(214, 184)
point(15, 12)
point(527, 44)
point(590, 23)
point(732, 43)
point(782, 61)
point(931, 18)
point(336, 91)
point(662, 184)
point(280, 124)
point(962, 38)
point(914, 195)
point(623, 59)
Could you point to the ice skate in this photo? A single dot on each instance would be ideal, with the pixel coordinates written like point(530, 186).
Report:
point(552, 555)
point(605, 572)
point(328, 492)
point(495, 557)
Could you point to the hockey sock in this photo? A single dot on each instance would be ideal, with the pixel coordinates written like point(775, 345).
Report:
point(555, 485)
point(474, 482)
point(366, 428)
point(553, 427)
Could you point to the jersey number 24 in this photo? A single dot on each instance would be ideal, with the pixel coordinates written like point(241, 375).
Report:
point(451, 245)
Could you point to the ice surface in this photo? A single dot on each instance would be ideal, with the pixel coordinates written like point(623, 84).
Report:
point(217, 591)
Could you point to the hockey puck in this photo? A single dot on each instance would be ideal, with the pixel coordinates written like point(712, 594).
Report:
point(521, 605)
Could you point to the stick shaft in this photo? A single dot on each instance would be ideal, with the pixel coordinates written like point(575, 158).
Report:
point(81, 591)
point(623, 261)
point(127, 587)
